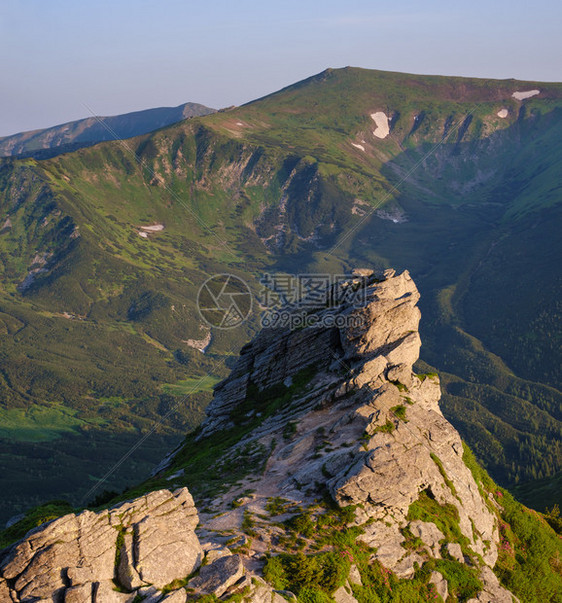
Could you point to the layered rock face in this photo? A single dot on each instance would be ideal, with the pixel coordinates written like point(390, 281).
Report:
point(354, 421)
point(83, 558)
point(383, 437)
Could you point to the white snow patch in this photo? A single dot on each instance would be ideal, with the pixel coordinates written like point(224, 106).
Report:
point(381, 121)
point(358, 146)
point(524, 95)
point(144, 235)
point(239, 123)
point(503, 113)
point(153, 228)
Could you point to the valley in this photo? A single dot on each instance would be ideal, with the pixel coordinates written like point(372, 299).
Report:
point(94, 318)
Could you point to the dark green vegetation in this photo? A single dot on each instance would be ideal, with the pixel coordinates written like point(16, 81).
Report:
point(541, 493)
point(94, 318)
point(87, 132)
point(310, 577)
point(445, 517)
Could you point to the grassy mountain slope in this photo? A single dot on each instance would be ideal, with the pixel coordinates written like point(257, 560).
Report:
point(94, 317)
point(91, 130)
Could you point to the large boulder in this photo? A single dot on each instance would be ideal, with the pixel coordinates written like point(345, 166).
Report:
point(219, 576)
point(76, 557)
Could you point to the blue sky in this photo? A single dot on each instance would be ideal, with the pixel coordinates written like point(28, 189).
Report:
point(60, 56)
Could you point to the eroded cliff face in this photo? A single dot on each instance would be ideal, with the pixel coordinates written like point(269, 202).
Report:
point(355, 423)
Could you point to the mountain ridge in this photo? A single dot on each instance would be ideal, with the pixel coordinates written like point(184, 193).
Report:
point(70, 136)
point(279, 184)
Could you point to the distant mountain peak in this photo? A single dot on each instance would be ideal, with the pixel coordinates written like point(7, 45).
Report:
point(73, 135)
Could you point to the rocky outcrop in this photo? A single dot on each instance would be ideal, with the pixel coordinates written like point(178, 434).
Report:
point(385, 443)
point(350, 419)
point(86, 557)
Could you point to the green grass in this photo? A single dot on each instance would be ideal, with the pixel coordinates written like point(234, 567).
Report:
point(462, 581)
point(277, 505)
point(388, 427)
point(422, 377)
point(192, 385)
point(399, 412)
point(38, 423)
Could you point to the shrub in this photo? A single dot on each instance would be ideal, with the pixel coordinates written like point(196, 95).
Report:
point(302, 524)
point(399, 411)
point(462, 580)
point(388, 427)
point(310, 577)
point(276, 505)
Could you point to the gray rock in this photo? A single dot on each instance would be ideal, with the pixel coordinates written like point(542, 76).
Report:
point(344, 594)
point(219, 576)
point(79, 594)
point(395, 457)
point(441, 585)
point(127, 575)
point(164, 550)
point(5, 593)
point(365, 272)
point(286, 595)
point(105, 593)
point(430, 535)
point(216, 553)
point(80, 550)
point(387, 540)
point(493, 592)
point(454, 549)
point(406, 567)
point(355, 576)
point(150, 594)
point(178, 596)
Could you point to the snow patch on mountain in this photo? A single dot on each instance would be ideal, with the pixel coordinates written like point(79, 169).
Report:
point(524, 95)
point(381, 120)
